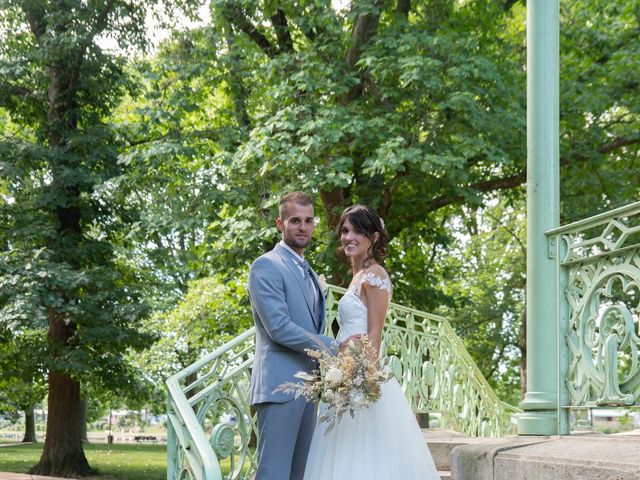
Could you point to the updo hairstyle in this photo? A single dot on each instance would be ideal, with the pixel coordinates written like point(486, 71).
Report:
point(366, 221)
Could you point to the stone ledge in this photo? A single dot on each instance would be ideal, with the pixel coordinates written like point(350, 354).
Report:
point(583, 457)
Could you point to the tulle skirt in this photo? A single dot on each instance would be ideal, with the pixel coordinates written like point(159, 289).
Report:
point(381, 442)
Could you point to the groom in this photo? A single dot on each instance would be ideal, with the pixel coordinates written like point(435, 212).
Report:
point(288, 312)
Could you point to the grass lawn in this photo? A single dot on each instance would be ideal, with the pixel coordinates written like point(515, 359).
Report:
point(119, 461)
point(114, 462)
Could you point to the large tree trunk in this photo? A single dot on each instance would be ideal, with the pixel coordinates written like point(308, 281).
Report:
point(29, 426)
point(63, 455)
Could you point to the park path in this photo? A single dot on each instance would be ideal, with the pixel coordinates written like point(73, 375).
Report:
point(26, 476)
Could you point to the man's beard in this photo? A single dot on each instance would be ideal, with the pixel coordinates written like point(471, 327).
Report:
point(295, 244)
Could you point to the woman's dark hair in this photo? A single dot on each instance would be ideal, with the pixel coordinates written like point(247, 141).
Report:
point(366, 221)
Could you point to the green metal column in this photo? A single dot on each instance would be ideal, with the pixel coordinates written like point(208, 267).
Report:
point(540, 404)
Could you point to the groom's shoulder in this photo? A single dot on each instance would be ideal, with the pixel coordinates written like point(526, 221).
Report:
point(268, 258)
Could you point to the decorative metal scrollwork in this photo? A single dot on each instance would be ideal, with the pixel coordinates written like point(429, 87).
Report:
point(226, 414)
point(222, 440)
point(616, 334)
point(602, 300)
point(602, 340)
point(186, 474)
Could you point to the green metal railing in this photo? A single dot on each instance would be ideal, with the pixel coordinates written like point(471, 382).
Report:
point(212, 429)
point(599, 282)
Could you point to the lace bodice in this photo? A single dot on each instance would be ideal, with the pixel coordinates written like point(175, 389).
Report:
point(352, 313)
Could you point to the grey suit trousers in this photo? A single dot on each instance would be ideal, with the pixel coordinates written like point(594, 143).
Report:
point(285, 432)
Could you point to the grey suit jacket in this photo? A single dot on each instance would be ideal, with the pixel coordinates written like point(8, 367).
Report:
point(285, 324)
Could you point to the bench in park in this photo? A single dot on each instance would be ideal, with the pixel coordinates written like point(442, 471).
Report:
point(145, 438)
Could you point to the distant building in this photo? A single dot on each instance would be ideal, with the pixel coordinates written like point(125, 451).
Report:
point(611, 417)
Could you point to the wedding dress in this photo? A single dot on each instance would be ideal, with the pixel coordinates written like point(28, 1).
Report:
point(382, 441)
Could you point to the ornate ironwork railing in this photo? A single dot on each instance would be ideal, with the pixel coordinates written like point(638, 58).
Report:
point(212, 429)
point(599, 279)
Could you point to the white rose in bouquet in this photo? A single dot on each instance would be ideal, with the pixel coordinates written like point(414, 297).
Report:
point(333, 375)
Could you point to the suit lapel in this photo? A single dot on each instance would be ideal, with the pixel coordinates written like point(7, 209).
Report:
point(290, 262)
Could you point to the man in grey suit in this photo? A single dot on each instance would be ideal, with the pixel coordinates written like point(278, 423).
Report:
point(288, 311)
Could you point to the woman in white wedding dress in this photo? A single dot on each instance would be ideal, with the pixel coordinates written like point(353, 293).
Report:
point(382, 441)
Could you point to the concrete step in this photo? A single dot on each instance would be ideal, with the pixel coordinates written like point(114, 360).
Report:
point(574, 457)
point(441, 442)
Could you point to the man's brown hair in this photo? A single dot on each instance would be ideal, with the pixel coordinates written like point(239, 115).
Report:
point(299, 198)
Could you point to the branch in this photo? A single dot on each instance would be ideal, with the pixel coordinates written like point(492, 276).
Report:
point(497, 363)
point(403, 7)
point(510, 3)
point(237, 17)
point(34, 12)
point(520, 178)
point(614, 145)
point(207, 133)
point(364, 28)
point(101, 19)
point(333, 201)
point(281, 26)
point(99, 24)
point(236, 84)
point(510, 231)
point(8, 91)
point(311, 29)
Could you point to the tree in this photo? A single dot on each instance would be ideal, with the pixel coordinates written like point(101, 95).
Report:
point(22, 343)
point(57, 87)
point(382, 103)
point(22, 377)
point(299, 95)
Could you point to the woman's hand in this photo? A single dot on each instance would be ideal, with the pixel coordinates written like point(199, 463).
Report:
point(355, 339)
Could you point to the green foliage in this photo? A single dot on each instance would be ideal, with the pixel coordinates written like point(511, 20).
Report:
point(599, 105)
point(487, 280)
point(22, 377)
point(419, 112)
point(212, 312)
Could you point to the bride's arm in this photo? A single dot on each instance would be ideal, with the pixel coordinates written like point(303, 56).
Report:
point(377, 302)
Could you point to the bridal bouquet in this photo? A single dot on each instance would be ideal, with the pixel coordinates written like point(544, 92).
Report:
point(345, 382)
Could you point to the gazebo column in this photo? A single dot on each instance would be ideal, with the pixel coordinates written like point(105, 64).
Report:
point(540, 403)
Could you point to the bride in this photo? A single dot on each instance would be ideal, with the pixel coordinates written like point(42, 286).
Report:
point(383, 441)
